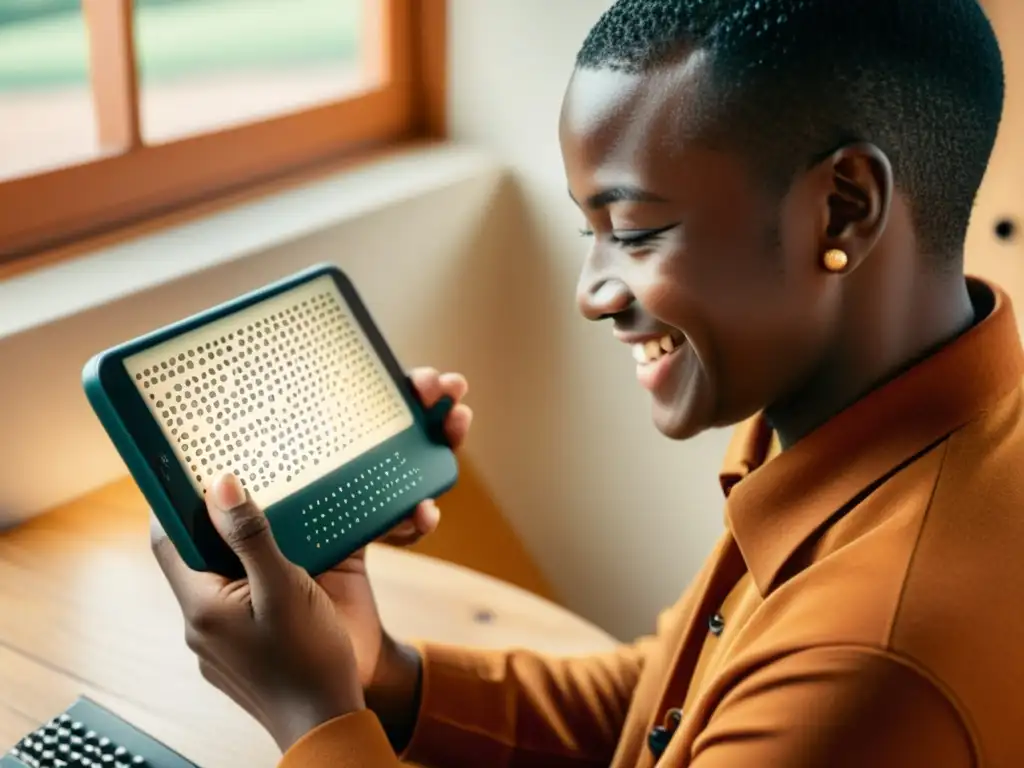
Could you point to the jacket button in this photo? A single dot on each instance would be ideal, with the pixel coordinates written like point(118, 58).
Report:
point(716, 624)
point(658, 739)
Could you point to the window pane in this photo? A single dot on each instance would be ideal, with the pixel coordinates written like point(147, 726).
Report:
point(210, 64)
point(46, 111)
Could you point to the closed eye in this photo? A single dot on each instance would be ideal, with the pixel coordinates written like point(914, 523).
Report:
point(632, 238)
point(636, 238)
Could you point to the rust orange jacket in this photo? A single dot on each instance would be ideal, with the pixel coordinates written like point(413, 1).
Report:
point(864, 607)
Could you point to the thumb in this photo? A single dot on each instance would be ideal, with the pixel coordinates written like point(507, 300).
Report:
point(245, 529)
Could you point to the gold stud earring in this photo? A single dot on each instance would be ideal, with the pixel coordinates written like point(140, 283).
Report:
point(835, 260)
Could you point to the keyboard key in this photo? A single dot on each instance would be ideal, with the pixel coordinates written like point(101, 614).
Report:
point(87, 735)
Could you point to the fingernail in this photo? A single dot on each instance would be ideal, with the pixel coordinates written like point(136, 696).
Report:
point(433, 514)
point(228, 493)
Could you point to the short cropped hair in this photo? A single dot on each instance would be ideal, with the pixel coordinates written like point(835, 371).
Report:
point(794, 80)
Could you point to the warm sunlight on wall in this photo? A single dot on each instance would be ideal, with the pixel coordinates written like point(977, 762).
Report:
point(995, 247)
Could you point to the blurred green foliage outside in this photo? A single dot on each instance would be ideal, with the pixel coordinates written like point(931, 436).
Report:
point(43, 42)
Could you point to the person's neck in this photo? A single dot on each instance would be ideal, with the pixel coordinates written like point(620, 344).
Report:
point(894, 330)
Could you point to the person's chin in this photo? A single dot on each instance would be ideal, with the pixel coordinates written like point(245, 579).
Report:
point(688, 413)
point(683, 407)
point(679, 423)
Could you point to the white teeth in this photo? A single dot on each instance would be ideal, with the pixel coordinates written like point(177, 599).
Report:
point(652, 350)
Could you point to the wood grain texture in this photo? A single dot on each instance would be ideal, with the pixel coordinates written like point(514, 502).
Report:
point(85, 610)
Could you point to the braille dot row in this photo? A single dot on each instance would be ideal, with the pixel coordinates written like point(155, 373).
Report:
point(272, 399)
point(355, 501)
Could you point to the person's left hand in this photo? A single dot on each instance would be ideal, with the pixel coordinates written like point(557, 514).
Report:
point(272, 641)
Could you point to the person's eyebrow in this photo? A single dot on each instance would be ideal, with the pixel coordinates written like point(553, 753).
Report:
point(619, 194)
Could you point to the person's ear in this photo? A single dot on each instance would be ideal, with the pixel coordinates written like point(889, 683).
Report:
point(857, 197)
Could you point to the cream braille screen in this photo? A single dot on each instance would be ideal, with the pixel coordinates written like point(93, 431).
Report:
point(281, 393)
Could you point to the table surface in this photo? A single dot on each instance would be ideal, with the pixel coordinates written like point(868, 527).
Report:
point(84, 610)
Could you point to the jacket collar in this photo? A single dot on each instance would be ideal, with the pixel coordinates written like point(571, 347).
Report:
point(773, 508)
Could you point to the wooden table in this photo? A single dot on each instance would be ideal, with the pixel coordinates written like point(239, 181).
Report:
point(85, 610)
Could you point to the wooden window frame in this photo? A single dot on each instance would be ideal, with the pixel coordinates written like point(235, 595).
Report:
point(134, 182)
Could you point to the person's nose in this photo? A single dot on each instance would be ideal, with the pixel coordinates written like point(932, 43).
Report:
point(601, 295)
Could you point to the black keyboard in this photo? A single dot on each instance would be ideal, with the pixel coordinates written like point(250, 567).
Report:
point(87, 735)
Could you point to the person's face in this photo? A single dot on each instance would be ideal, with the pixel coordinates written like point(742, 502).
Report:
point(714, 282)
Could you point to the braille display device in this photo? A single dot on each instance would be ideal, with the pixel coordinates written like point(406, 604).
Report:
point(293, 389)
point(87, 735)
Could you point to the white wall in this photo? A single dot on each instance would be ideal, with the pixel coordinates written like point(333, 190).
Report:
point(1002, 194)
point(619, 517)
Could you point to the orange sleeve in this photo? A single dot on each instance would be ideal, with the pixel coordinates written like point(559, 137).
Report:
point(353, 741)
point(521, 708)
point(495, 708)
point(491, 708)
point(835, 707)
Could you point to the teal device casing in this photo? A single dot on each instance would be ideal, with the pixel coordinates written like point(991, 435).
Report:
point(318, 523)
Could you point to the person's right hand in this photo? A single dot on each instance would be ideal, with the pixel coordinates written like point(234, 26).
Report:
point(388, 671)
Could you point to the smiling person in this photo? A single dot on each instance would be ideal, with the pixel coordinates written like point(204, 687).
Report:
point(778, 193)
